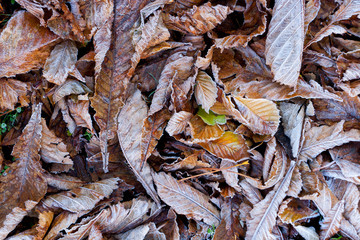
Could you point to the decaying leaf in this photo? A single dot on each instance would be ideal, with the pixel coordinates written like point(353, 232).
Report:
point(285, 40)
point(263, 215)
point(229, 146)
point(25, 185)
point(205, 91)
point(185, 199)
point(82, 198)
point(202, 132)
point(260, 115)
point(319, 139)
point(198, 20)
point(24, 45)
point(332, 221)
point(61, 61)
point(130, 125)
point(11, 91)
point(178, 123)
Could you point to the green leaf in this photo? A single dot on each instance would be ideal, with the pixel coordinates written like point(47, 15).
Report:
point(211, 118)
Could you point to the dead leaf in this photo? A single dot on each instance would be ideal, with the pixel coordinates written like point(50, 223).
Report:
point(285, 40)
point(260, 115)
point(82, 198)
point(263, 215)
point(130, 125)
point(11, 91)
point(197, 20)
point(319, 139)
point(28, 48)
point(229, 146)
point(24, 186)
point(185, 199)
point(202, 132)
point(331, 223)
point(61, 62)
point(205, 91)
point(80, 113)
point(178, 123)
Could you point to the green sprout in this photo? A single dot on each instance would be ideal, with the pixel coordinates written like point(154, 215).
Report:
point(8, 120)
point(87, 135)
point(4, 169)
point(68, 133)
point(336, 238)
point(211, 231)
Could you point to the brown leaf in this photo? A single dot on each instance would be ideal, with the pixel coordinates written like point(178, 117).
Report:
point(202, 132)
point(24, 186)
point(82, 198)
point(229, 146)
point(68, 88)
point(260, 115)
point(28, 48)
point(205, 91)
point(197, 20)
point(177, 69)
point(130, 126)
point(319, 139)
point(293, 210)
point(152, 131)
point(311, 11)
point(292, 119)
point(185, 199)
point(53, 149)
point(11, 91)
point(347, 158)
point(331, 223)
point(178, 123)
point(345, 11)
point(188, 163)
point(113, 80)
point(263, 215)
point(285, 40)
point(61, 61)
point(80, 112)
point(152, 33)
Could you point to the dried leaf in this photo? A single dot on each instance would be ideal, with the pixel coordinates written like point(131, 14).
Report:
point(293, 210)
point(229, 146)
point(205, 91)
point(61, 62)
point(24, 186)
point(198, 20)
point(112, 80)
point(263, 215)
point(260, 115)
point(292, 114)
point(308, 233)
point(178, 122)
point(177, 69)
point(319, 139)
point(332, 220)
point(152, 131)
point(185, 199)
point(345, 11)
point(130, 124)
point(285, 40)
point(82, 198)
point(28, 48)
point(202, 132)
point(11, 91)
point(80, 112)
point(53, 149)
point(311, 11)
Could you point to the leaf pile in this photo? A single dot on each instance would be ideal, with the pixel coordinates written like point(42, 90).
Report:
point(180, 119)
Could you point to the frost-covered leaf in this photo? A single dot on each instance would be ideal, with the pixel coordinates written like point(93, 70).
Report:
point(80, 112)
point(263, 215)
point(130, 125)
point(319, 139)
point(260, 115)
point(202, 132)
point(229, 146)
point(24, 186)
point(285, 40)
point(82, 198)
point(178, 122)
point(185, 199)
point(345, 11)
point(205, 91)
point(61, 61)
point(28, 48)
point(331, 223)
point(198, 20)
point(12, 91)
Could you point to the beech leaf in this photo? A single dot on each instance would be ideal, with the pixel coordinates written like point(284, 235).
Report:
point(205, 91)
point(285, 40)
point(185, 199)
